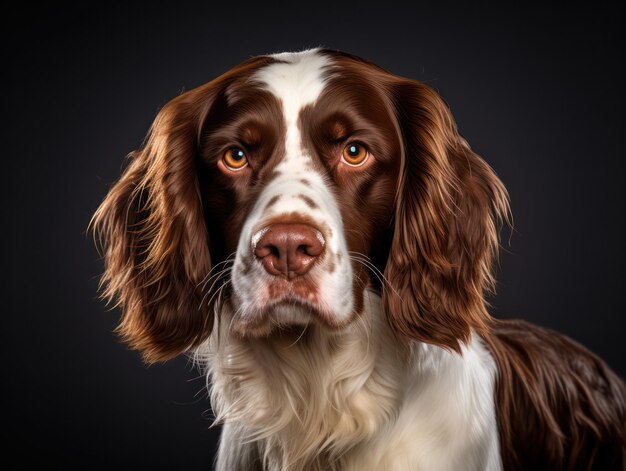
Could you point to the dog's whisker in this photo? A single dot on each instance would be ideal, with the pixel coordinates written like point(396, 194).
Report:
point(368, 262)
point(219, 290)
point(223, 274)
point(218, 276)
point(210, 275)
point(363, 259)
point(299, 337)
point(226, 260)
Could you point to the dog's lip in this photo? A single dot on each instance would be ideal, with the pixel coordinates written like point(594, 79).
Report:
point(294, 294)
point(308, 306)
point(263, 320)
point(290, 300)
point(315, 311)
point(302, 288)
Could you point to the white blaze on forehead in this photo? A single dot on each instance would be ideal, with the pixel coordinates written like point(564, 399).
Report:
point(297, 81)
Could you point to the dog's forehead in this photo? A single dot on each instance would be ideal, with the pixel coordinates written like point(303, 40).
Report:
point(296, 78)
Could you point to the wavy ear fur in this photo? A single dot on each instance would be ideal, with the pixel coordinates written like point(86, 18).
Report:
point(152, 230)
point(450, 205)
point(154, 238)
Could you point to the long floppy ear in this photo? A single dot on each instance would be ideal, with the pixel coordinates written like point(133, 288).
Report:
point(450, 205)
point(154, 238)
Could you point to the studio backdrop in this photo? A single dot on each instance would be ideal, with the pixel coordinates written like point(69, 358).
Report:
point(538, 93)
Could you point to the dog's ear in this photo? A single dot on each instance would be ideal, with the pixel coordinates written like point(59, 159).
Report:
point(449, 208)
point(154, 238)
point(152, 229)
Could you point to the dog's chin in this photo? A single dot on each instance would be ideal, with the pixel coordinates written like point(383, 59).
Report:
point(286, 316)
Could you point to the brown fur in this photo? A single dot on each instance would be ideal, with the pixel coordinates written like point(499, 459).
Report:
point(559, 405)
point(448, 212)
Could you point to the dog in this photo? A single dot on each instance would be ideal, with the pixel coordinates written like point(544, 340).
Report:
point(316, 233)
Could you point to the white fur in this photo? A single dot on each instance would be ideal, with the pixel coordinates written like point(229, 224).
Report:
point(352, 400)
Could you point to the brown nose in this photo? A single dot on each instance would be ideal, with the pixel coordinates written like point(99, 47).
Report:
point(289, 249)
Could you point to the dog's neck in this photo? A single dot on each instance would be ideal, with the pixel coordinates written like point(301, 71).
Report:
point(308, 398)
point(328, 390)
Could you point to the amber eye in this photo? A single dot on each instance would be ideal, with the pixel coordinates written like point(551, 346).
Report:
point(354, 154)
point(235, 158)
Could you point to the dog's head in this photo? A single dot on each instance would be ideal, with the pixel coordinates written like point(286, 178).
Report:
point(285, 188)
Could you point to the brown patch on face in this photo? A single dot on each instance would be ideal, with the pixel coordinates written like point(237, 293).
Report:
point(305, 182)
point(245, 113)
point(273, 200)
point(272, 175)
point(246, 265)
point(309, 201)
point(359, 283)
point(331, 265)
point(338, 131)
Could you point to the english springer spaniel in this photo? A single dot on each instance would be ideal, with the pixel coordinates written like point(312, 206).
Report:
point(314, 230)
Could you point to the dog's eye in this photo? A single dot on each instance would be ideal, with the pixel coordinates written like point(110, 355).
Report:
point(235, 158)
point(354, 154)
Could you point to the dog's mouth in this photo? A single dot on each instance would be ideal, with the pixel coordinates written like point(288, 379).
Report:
point(301, 290)
point(284, 305)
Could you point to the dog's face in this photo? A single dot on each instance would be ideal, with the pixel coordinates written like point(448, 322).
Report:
point(304, 168)
point(284, 189)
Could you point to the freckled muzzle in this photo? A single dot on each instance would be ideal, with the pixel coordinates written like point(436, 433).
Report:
point(288, 250)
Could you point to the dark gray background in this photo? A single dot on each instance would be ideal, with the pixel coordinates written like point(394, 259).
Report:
point(537, 92)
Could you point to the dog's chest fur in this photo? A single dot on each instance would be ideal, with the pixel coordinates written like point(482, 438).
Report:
point(352, 402)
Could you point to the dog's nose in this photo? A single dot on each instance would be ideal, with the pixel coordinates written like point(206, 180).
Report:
point(289, 249)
